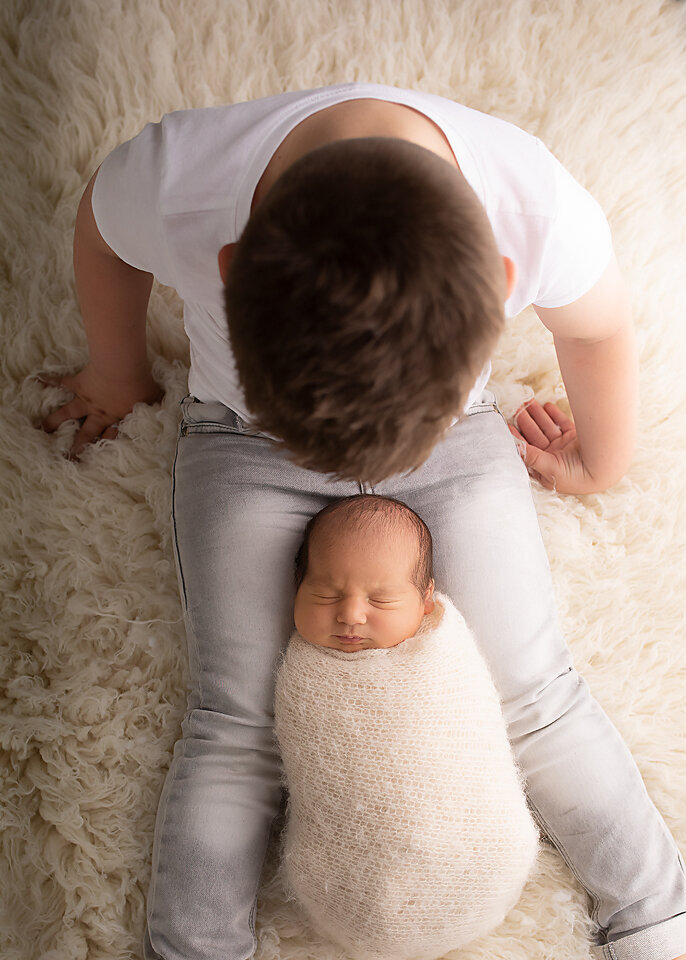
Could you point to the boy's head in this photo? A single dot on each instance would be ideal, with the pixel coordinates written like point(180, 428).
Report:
point(364, 570)
point(363, 298)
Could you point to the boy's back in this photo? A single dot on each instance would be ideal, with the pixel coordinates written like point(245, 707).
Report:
point(169, 199)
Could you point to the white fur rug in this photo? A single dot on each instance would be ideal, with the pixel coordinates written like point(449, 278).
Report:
point(93, 648)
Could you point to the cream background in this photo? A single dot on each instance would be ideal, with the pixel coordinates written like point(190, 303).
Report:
point(92, 651)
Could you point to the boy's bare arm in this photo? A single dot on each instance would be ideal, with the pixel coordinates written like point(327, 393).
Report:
point(596, 348)
point(113, 297)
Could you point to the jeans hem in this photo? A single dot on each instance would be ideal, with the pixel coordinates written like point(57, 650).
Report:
point(661, 941)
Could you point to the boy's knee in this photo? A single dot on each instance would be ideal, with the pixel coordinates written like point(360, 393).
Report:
point(546, 704)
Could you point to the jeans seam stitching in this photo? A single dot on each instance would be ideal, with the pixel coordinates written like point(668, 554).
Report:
point(190, 633)
point(216, 429)
point(565, 856)
point(191, 426)
point(253, 909)
point(176, 539)
point(483, 408)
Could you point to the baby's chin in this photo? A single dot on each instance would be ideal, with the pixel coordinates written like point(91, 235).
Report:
point(367, 644)
point(341, 645)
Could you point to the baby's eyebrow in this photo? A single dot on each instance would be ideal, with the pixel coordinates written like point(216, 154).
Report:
point(387, 590)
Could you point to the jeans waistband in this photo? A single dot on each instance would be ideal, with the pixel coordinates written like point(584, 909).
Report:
point(213, 411)
point(487, 400)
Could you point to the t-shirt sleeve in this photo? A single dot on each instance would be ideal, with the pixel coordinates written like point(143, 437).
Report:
point(579, 244)
point(126, 202)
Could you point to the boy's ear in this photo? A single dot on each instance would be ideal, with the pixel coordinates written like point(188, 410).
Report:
point(510, 275)
point(224, 259)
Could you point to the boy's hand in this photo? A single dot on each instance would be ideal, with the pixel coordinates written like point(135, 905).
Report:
point(549, 447)
point(99, 402)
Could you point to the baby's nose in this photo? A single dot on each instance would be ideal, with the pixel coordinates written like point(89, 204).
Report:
point(351, 612)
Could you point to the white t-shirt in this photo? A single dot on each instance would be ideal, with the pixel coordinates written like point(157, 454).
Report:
point(170, 198)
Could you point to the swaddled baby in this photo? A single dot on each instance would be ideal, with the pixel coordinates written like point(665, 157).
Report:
point(408, 833)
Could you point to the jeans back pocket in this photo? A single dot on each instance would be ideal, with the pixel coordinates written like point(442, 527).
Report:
point(199, 416)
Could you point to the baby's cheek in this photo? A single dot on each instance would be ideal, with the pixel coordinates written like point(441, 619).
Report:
point(321, 620)
point(305, 619)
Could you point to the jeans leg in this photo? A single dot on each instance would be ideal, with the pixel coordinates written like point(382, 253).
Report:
point(583, 784)
point(240, 510)
point(239, 513)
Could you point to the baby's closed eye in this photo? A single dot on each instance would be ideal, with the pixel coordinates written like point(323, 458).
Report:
point(371, 599)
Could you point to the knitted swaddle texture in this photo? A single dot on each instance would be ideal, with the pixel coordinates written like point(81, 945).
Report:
point(408, 833)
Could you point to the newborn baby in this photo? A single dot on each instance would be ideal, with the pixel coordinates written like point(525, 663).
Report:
point(408, 833)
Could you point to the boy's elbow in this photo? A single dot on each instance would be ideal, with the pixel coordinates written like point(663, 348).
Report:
point(602, 481)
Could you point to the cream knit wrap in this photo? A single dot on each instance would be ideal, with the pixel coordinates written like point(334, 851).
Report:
point(408, 833)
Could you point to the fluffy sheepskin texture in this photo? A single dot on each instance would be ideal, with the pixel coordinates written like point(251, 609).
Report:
point(93, 659)
point(408, 833)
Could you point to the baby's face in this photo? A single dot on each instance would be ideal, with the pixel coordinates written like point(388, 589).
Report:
point(359, 587)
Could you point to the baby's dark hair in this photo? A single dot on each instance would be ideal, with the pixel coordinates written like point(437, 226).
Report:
point(390, 514)
point(363, 299)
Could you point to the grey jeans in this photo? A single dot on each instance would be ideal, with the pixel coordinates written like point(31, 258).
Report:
point(239, 511)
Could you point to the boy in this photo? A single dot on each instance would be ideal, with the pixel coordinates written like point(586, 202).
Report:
point(408, 833)
point(381, 232)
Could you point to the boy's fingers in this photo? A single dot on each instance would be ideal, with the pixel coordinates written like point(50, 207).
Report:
point(74, 410)
point(533, 458)
point(519, 441)
point(560, 418)
point(53, 380)
point(544, 482)
point(530, 430)
point(90, 430)
point(542, 466)
point(536, 425)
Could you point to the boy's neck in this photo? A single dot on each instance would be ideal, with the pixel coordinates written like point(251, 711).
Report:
point(353, 118)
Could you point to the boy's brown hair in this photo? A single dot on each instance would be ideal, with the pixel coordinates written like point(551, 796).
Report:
point(364, 296)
